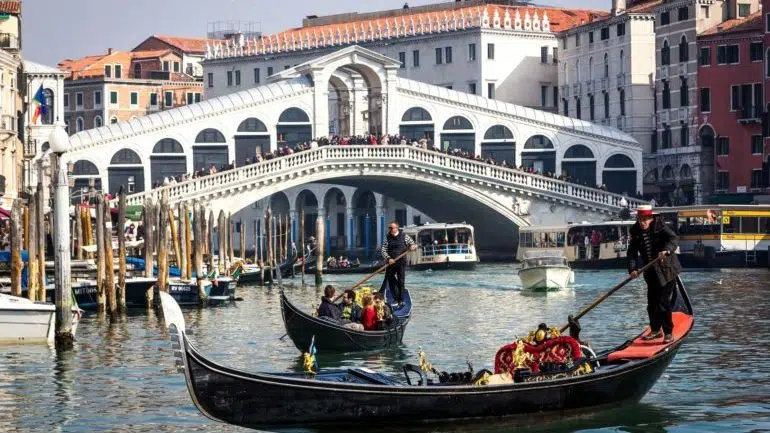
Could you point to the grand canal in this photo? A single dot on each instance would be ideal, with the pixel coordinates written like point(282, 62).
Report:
point(121, 377)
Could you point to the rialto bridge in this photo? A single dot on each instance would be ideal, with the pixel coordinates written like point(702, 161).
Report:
point(360, 91)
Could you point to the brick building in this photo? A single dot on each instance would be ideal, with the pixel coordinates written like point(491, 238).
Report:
point(730, 105)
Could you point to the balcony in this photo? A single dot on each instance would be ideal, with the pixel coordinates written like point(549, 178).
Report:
point(565, 91)
point(682, 69)
point(9, 41)
point(664, 72)
point(620, 122)
point(590, 87)
point(577, 89)
point(664, 116)
point(621, 80)
point(750, 114)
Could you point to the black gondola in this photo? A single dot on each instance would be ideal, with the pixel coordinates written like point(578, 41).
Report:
point(360, 269)
point(360, 395)
point(301, 327)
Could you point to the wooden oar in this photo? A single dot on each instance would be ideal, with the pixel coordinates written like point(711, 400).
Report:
point(608, 294)
point(370, 276)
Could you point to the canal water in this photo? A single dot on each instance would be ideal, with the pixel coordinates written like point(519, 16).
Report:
point(121, 377)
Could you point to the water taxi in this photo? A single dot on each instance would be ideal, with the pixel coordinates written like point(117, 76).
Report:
point(545, 270)
point(442, 246)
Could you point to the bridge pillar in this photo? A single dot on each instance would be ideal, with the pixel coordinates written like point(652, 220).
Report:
point(350, 228)
point(320, 102)
point(380, 225)
point(358, 99)
point(390, 115)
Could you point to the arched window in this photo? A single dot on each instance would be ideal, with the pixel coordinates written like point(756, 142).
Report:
point(125, 157)
point(97, 121)
point(577, 70)
point(167, 145)
point(45, 147)
point(538, 142)
point(84, 168)
point(252, 124)
point(578, 151)
point(619, 161)
point(684, 96)
point(457, 122)
point(293, 115)
point(606, 66)
point(665, 54)
point(685, 172)
point(47, 117)
point(668, 173)
point(590, 67)
point(767, 63)
point(79, 124)
point(498, 132)
point(113, 120)
point(210, 135)
point(684, 50)
point(416, 114)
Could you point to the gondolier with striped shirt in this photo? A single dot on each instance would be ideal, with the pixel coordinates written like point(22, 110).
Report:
point(651, 239)
point(395, 244)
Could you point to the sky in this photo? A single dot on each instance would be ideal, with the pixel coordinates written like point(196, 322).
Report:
point(54, 30)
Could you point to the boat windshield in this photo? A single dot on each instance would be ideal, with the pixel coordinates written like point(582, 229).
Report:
point(544, 258)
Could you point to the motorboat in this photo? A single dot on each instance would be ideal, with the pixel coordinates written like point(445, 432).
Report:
point(545, 270)
point(22, 320)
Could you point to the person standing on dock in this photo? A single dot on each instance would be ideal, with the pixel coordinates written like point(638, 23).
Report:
point(652, 239)
point(395, 244)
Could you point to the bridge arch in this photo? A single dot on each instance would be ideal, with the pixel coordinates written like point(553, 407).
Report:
point(619, 174)
point(168, 160)
point(210, 148)
point(340, 220)
point(499, 144)
point(458, 132)
point(539, 154)
point(126, 169)
point(85, 174)
point(251, 138)
point(293, 127)
point(579, 163)
point(279, 204)
point(416, 124)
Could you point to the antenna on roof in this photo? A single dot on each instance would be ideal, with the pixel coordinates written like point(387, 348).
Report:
point(406, 5)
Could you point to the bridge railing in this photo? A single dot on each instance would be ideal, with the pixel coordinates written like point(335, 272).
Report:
point(385, 154)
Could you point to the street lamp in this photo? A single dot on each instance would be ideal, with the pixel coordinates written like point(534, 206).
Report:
point(60, 144)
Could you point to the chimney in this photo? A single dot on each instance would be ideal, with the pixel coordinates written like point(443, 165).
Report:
point(618, 7)
point(109, 51)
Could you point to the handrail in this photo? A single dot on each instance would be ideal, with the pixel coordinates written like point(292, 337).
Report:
point(386, 154)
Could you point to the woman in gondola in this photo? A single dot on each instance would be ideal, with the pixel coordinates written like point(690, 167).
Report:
point(368, 315)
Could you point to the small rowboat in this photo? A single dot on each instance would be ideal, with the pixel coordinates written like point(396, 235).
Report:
point(358, 395)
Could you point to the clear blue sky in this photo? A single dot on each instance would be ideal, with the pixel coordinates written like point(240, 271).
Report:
point(55, 30)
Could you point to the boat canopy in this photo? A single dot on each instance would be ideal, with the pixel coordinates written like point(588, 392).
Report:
point(544, 258)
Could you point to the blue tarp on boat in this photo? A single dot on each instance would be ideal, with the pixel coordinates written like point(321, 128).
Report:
point(138, 264)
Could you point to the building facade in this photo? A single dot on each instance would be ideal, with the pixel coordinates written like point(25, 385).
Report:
point(11, 94)
point(190, 51)
point(731, 105)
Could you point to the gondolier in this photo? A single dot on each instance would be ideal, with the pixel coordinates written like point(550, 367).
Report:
point(395, 244)
point(651, 239)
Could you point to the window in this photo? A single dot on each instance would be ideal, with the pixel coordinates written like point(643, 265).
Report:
point(238, 78)
point(491, 90)
point(564, 43)
point(257, 77)
point(229, 78)
point(723, 180)
point(683, 13)
point(705, 100)
point(166, 65)
point(134, 98)
point(735, 98)
point(448, 55)
point(664, 18)
point(684, 93)
point(176, 66)
point(269, 71)
point(606, 105)
point(401, 59)
point(684, 50)
point(79, 100)
point(472, 52)
point(555, 97)
point(621, 29)
point(118, 71)
point(285, 67)
point(756, 144)
point(107, 71)
point(577, 40)
point(756, 180)
point(727, 54)
point(605, 34)
point(97, 122)
point(665, 54)
point(97, 98)
point(153, 99)
point(666, 95)
point(66, 101)
point(591, 107)
point(577, 108)
point(666, 137)
point(622, 99)
point(114, 97)
point(704, 56)
point(491, 51)
point(767, 23)
point(755, 51)
point(439, 56)
point(723, 145)
point(448, 86)
point(590, 37)
point(544, 54)
point(744, 10)
point(556, 54)
point(472, 88)
point(197, 97)
point(606, 66)
point(543, 96)
point(168, 99)
point(416, 58)
point(566, 107)
point(684, 135)
point(79, 124)
point(210, 78)
point(113, 120)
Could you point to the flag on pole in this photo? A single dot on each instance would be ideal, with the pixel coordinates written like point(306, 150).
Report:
point(42, 108)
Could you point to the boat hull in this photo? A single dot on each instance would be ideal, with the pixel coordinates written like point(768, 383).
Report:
point(29, 322)
point(545, 277)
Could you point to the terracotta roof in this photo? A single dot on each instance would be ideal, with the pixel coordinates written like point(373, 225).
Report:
point(536, 19)
point(637, 7)
point(188, 45)
point(751, 23)
point(10, 7)
point(93, 66)
point(149, 54)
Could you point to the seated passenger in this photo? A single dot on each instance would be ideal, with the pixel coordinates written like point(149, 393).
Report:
point(368, 315)
point(383, 311)
point(351, 312)
point(327, 308)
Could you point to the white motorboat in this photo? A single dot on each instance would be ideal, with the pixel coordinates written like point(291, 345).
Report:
point(545, 270)
point(23, 321)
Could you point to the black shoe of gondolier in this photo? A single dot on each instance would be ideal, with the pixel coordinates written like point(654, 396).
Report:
point(668, 338)
point(652, 336)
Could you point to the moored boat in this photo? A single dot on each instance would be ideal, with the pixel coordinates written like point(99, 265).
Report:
point(442, 246)
point(356, 395)
point(22, 320)
point(545, 270)
point(85, 292)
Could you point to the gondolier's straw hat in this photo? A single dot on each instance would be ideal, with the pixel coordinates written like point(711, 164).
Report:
point(644, 210)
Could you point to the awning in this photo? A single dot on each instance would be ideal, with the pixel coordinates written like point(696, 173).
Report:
point(739, 198)
point(5, 214)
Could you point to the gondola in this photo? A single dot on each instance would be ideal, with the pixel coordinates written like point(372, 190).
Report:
point(301, 327)
point(360, 269)
point(358, 395)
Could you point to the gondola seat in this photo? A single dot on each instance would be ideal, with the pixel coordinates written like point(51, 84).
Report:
point(640, 349)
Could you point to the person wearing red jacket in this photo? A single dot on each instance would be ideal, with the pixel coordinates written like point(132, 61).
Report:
point(368, 315)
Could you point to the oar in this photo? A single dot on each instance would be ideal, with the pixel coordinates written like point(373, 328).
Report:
point(608, 294)
point(370, 276)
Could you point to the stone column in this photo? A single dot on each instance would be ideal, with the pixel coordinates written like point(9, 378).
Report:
point(360, 105)
point(320, 103)
point(390, 115)
point(350, 230)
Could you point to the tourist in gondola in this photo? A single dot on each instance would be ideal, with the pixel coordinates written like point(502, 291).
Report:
point(368, 315)
point(395, 244)
point(350, 311)
point(328, 309)
point(651, 238)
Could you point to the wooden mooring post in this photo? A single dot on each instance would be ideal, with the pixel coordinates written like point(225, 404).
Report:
point(40, 197)
point(100, 270)
point(210, 241)
point(31, 238)
point(269, 241)
point(319, 264)
point(163, 234)
point(149, 259)
point(121, 295)
point(109, 264)
point(15, 232)
point(199, 220)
